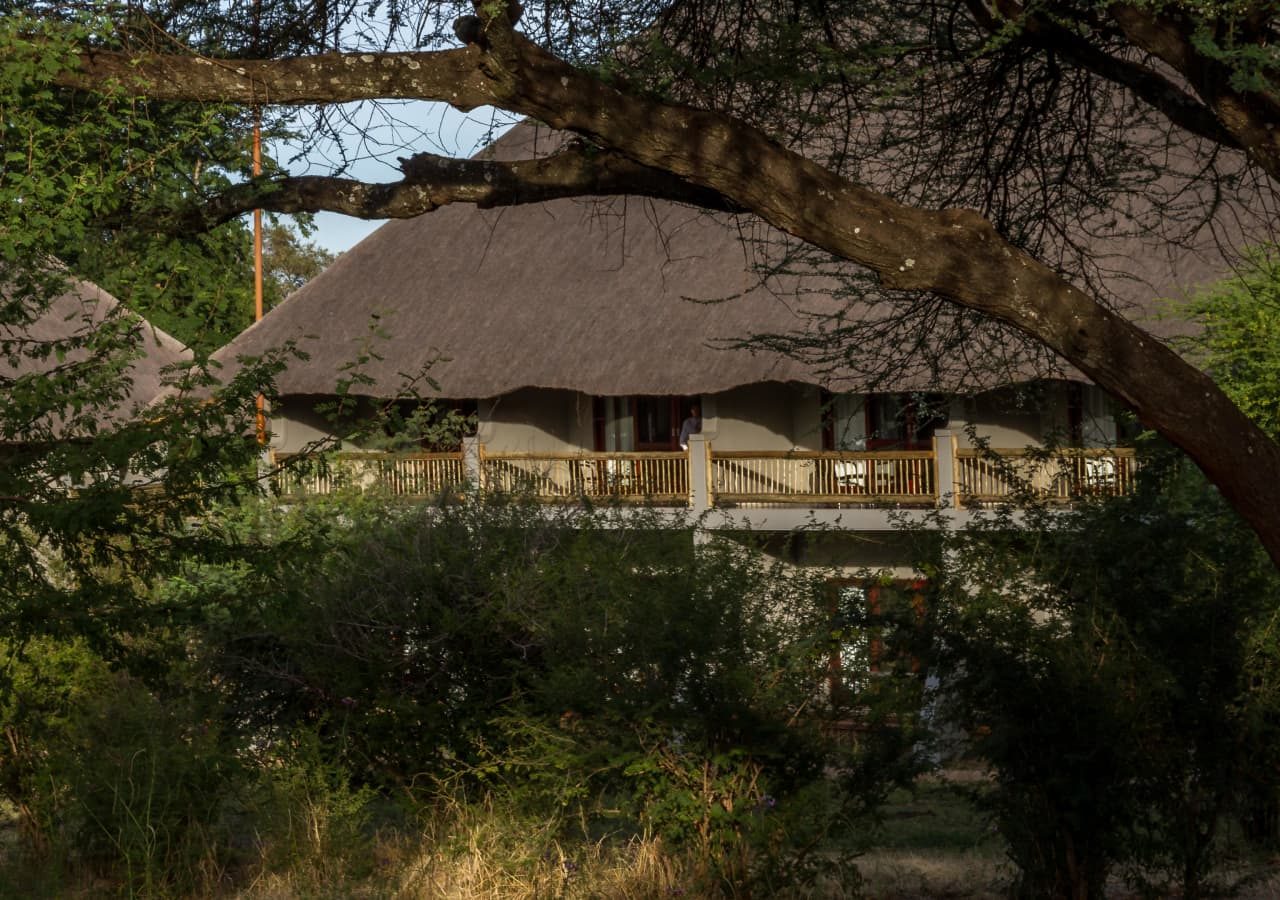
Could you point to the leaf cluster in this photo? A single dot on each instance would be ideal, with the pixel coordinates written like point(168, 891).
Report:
point(1115, 664)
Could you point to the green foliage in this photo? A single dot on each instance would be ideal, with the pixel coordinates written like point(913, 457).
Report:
point(587, 669)
point(109, 760)
point(416, 626)
point(308, 813)
point(133, 782)
point(92, 181)
point(1240, 336)
point(1115, 664)
point(95, 495)
point(93, 505)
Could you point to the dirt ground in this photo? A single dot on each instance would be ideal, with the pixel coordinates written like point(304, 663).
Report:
point(936, 845)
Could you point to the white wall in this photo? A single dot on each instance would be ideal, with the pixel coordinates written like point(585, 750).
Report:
point(844, 554)
point(768, 416)
point(533, 421)
point(295, 425)
point(806, 416)
point(1012, 418)
point(760, 417)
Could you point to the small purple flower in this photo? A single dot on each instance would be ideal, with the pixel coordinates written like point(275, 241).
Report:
point(348, 702)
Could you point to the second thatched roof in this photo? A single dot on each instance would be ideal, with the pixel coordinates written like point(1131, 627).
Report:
point(60, 338)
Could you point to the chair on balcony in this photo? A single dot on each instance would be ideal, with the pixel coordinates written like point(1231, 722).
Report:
point(622, 475)
point(587, 477)
point(850, 476)
point(887, 478)
point(1100, 474)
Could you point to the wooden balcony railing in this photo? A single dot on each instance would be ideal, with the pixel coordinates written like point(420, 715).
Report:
point(400, 474)
point(791, 477)
point(661, 478)
point(991, 476)
point(728, 477)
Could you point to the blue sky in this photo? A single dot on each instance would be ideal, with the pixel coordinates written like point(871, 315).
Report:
point(375, 136)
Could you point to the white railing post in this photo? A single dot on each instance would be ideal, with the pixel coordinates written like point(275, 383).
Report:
point(944, 457)
point(471, 453)
point(699, 451)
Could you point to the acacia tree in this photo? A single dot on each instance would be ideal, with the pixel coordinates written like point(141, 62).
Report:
point(97, 491)
point(757, 106)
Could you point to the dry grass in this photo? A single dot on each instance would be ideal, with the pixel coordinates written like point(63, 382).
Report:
point(476, 853)
point(470, 853)
point(490, 866)
point(933, 845)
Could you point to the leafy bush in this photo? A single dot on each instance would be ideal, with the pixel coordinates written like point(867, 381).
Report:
point(1116, 667)
point(587, 667)
point(107, 773)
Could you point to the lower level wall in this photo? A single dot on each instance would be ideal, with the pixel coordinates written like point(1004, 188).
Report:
point(843, 555)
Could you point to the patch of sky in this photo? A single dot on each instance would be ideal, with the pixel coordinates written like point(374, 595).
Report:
point(364, 140)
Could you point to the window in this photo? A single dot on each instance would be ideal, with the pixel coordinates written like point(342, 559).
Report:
point(843, 422)
point(875, 627)
point(644, 423)
point(882, 421)
point(904, 421)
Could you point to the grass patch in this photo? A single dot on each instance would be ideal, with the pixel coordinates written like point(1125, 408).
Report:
point(933, 842)
point(935, 817)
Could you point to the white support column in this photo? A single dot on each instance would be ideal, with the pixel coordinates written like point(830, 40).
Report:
point(471, 452)
point(944, 457)
point(699, 471)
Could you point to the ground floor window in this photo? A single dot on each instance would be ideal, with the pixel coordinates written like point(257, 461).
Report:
point(875, 631)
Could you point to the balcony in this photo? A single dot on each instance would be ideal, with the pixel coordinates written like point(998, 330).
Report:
point(887, 478)
point(658, 478)
point(781, 489)
point(984, 478)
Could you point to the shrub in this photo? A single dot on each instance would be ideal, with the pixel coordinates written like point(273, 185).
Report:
point(1114, 667)
point(110, 775)
point(594, 670)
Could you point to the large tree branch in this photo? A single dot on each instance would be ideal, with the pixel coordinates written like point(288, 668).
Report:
point(452, 76)
point(1148, 85)
point(954, 253)
point(1252, 118)
point(433, 181)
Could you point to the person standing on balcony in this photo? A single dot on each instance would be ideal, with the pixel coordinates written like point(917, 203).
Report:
point(692, 425)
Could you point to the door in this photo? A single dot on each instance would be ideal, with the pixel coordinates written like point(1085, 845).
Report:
point(644, 424)
point(657, 422)
point(904, 421)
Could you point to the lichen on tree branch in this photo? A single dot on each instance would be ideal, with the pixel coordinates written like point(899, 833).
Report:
point(431, 181)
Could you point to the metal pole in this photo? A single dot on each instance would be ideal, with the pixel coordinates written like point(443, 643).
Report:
point(260, 403)
point(257, 261)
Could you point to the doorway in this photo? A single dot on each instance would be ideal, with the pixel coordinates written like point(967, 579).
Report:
point(645, 423)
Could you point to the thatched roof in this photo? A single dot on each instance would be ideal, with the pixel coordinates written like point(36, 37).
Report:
point(608, 297)
point(74, 315)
